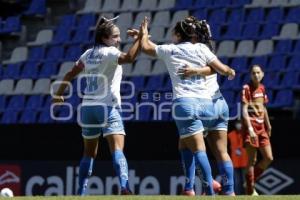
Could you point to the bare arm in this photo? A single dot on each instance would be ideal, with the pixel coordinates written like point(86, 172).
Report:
point(148, 47)
point(67, 79)
point(193, 71)
point(130, 56)
point(222, 68)
point(267, 121)
point(248, 123)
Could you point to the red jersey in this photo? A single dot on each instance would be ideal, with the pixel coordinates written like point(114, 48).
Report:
point(256, 98)
point(238, 153)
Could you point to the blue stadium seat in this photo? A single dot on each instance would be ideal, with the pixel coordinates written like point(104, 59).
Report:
point(276, 63)
point(251, 31)
point(259, 60)
point(73, 53)
point(296, 49)
point(240, 64)
point(65, 112)
point(86, 21)
point(232, 84)
point(288, 81)
point(271, 79)
point(3, 102)
point(48, 69)
point(81, 36)
point(74, 100)
point(37, 7)
point(294, 64)
point(12, 24)
point(269, 30)
point(45, 117)
point(229, 96)
point(200, 14)
point(54, 53)
point(183, 4)
point(61, 36)
point(274, 15)
point(67, 22)
point(270, 95)
point(215, 31)
point(239, 3)
point(16, 103)
point(168, 84)
point(155, 83)
point(218, 16)
point(283, 47)
point(36, 53)
point(9, 117)
point(202, 4)
point(30, 70)
point(255, 15)
point(283, 98)
point(145, 113)
point(293, 15)
point(1, 71)
point(236, 15)
point(34, 102)
point(28, 116)
point(233, 31)
point(12, 71)
point(221, 3)
point(138, 82)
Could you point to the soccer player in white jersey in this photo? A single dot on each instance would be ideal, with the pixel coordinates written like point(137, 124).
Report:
point(101, 100)
point(192, 102)
point(217, 129)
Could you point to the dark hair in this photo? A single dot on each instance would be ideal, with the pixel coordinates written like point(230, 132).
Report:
point(256, 65)
point(185, 30)
point(202, 31)
point(103, 30)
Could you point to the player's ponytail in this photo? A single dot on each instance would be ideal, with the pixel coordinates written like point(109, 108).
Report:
point(103, 29)
point(204, 33)
point(186, 30)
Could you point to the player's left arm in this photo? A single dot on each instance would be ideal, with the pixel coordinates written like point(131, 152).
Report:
point(188, 71)
point(148, 47)
point(267, 121)
point(78, 67)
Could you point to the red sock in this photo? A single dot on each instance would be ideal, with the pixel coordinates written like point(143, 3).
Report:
point(250, 182)
point(257, 172)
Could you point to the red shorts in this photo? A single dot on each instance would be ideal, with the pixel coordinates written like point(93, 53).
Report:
point(263, 138)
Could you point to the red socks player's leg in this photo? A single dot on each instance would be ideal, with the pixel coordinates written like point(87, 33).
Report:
point(257, 172)
point(250, 181)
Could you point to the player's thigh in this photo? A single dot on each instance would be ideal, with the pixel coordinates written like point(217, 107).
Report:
point(195, 142)
point(91, 127)
point(252, 154)
point(115, 141)
point(113, 122)
point(90, 147)
point(266, 152)
point(217, 141)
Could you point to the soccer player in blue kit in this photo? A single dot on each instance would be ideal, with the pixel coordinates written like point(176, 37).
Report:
point(217, 128)
point(192, 102)
point(101, 102)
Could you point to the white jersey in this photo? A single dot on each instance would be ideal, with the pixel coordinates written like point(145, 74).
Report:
point(103, 76)
point(213, 86)
point(177, 56)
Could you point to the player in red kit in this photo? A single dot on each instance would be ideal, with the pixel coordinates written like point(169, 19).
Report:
point(256, 127)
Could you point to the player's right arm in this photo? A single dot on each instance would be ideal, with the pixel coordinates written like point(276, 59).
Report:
point(148, 47)
point(222, 68)
point(245, 113)
point(78, 67)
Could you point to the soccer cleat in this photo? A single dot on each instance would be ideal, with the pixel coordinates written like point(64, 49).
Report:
point(217, 186)
point(188, 192)
point(254, 193)
point(126, 192)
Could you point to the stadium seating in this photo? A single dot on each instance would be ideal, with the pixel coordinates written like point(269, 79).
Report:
point(246, 32)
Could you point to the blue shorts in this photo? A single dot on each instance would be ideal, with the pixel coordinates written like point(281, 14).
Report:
point(99, 119)
point(190, 114)
point(220, 121)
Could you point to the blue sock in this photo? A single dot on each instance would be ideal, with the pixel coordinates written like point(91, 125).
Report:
point(203, 163)
point(121, 168)
point(188, 165)
point(226, 172)
point(85, 171)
